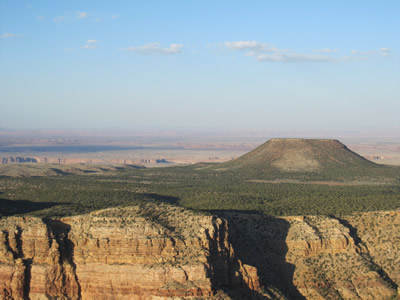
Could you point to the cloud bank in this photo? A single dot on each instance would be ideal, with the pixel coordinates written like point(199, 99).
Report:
point(81, 15)
point(384, 52)
point(264, 52)
point(90, 44)
point(9, 35)
point(155, 48)
point(59, 19)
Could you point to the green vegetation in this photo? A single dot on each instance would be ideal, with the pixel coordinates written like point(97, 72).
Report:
point(254, 182)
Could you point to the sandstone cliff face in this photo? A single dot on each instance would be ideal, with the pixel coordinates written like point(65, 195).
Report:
point(162, 252)
point(31, 263)
point(130, 253)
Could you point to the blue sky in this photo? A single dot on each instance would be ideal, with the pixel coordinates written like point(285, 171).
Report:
point(200, 65)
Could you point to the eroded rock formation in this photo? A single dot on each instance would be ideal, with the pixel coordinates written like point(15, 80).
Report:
point(315, 257)
point(18, 159)
point(161, 252)
point(130, 253)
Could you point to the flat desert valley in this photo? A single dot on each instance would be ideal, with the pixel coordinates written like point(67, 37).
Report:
point(154, 149)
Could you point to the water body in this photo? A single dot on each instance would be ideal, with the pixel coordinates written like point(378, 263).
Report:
point(76, 149)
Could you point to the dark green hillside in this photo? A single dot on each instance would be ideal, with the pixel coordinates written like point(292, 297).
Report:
point(307, 159)
point(281, 177)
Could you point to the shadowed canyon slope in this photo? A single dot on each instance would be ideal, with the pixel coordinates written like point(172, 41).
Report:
point(316, 257)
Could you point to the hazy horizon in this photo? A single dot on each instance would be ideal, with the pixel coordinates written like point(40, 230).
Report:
point(289, 66)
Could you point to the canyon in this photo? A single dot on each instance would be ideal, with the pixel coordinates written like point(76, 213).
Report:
point(130, 253)
point(162, 252)
point(292, 219)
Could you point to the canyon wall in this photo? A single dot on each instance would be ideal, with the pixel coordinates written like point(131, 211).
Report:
point(131, 253)
point(379, 233)
point(319, 257)
point(162, 252)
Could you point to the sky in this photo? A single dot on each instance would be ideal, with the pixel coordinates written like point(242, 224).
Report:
point(200, 65)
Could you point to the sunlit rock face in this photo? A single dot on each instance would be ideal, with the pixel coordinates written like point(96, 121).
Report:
point(130, 253)
point(162, 251)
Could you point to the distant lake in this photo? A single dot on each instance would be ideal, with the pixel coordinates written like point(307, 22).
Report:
point(75, 148)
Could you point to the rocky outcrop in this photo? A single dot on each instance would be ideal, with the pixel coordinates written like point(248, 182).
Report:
point(33, 262)
point(18, 159)
point(160, 252)
point(130, 253)
point(379, 232)
point(330, 263)
point(316, 257)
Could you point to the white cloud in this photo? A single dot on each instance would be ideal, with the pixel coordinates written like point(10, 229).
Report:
point(290, 57)
point(40, 18)
point(358, 52)
point(114, 17)
point(78, 15)
point(242, 44)
point(81, 15)
point(352, 58)
point(380, 52)
point(90, 44)
point(384, 52)
point(60, 19)
point(9, 35)
point(329, 50)
point(250, 45)
point(155, 48)
point(264, 52)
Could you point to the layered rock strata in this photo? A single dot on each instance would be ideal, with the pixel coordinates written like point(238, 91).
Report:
point(165, 252)
point(130, 253)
